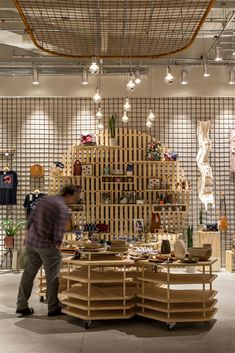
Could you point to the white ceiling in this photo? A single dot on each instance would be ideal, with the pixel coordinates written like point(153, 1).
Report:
point(18, 56)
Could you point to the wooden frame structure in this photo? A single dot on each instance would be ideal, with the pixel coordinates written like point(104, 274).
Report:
point(131, 149)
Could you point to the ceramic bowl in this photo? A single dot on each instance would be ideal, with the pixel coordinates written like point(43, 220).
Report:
point(203, 254)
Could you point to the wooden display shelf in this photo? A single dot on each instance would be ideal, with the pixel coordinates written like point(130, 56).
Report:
point(178, 307)
point(101, 293)
point(102, 262)
point(80, 147)
point(165, 190)
point(137, 162)
point(99, 305)
point(177, 296)
point(101, 277)
point(100, 315)
point(177, 317)
point(180, 278)
point(124, 204)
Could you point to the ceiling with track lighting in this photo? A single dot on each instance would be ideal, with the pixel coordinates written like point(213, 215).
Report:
point(18, 53)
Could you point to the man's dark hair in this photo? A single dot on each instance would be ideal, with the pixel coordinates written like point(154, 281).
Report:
point(70, 190)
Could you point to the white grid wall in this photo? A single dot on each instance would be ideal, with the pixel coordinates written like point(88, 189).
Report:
point(41, 129)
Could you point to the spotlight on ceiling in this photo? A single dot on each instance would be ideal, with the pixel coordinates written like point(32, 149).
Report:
point(231, 77)
point(85, 76)
point(151, 116)
point(125, 117)
point(127, 106)
point(169, 79)
point(205, 69)
point(97, 97)
point(131, 83)
point(99, 114)
point(35, 80)
point(137, 77)
point(184, 77)
point(94, 68)
point(218, 53)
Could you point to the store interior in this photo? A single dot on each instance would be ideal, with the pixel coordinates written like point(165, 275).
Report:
point(148, 252)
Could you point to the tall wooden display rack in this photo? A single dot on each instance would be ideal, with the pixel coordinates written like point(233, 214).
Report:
point(130, 149)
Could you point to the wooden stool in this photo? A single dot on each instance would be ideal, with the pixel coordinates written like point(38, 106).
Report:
point(229, 260)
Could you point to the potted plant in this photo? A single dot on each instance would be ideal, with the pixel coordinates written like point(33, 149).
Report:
point(112, 129)
point(11, 230)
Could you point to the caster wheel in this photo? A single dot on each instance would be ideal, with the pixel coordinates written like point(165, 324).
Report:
point(86, 324)
point(171, 326)
point(41, 299)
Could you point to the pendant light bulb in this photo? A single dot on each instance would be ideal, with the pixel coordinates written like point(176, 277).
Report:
point(218, 55)
point(99, 115)
point(151, 116)
point(205, 69)
point(137, 77)
point(35, 80)
point(169, 79)
point(100, 125)
point(85, 76)
point(94, 68)
point(125, 117)
point(184, 77)
point(131, 83)
point(231, 77)
point(97, 97)
point(149, 124)
point(127, 106)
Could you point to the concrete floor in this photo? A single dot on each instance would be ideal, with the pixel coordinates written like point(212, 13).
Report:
point(40, 334)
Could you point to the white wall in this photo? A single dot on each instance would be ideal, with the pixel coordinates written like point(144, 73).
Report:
point(70, 86)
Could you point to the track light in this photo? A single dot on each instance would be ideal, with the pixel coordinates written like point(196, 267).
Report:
point(151, 116)
point(35, 80)
point(127, 106)
point(131, 83)
point(125, 117)
point(218, 55)
point(85, 76)
point(149, 124)
point(205, 69)
point(94, 68)
point(97, 97)
point(184, 77)
point(100, 125)
point(137, 77)
point(231, 77)
point(169, 79)
point(99, 114)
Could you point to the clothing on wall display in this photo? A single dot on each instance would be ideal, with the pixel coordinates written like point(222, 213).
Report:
point(205, 181)
point(8, 187)
point(31, 201)
point(232, 151)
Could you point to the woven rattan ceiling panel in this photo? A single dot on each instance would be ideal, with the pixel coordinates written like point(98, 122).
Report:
point(113, 28)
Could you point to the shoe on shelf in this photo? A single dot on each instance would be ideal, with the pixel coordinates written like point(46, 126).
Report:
point(25, 312)
point(56, 312)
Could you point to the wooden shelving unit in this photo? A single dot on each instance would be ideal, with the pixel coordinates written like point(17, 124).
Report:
point(120, 217)
point(100, 286)
point(161, 296)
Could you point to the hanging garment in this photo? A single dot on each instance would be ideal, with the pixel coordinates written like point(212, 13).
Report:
point(8, 187)
point(31, 201)
point(223, 221)
point(232, 151)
